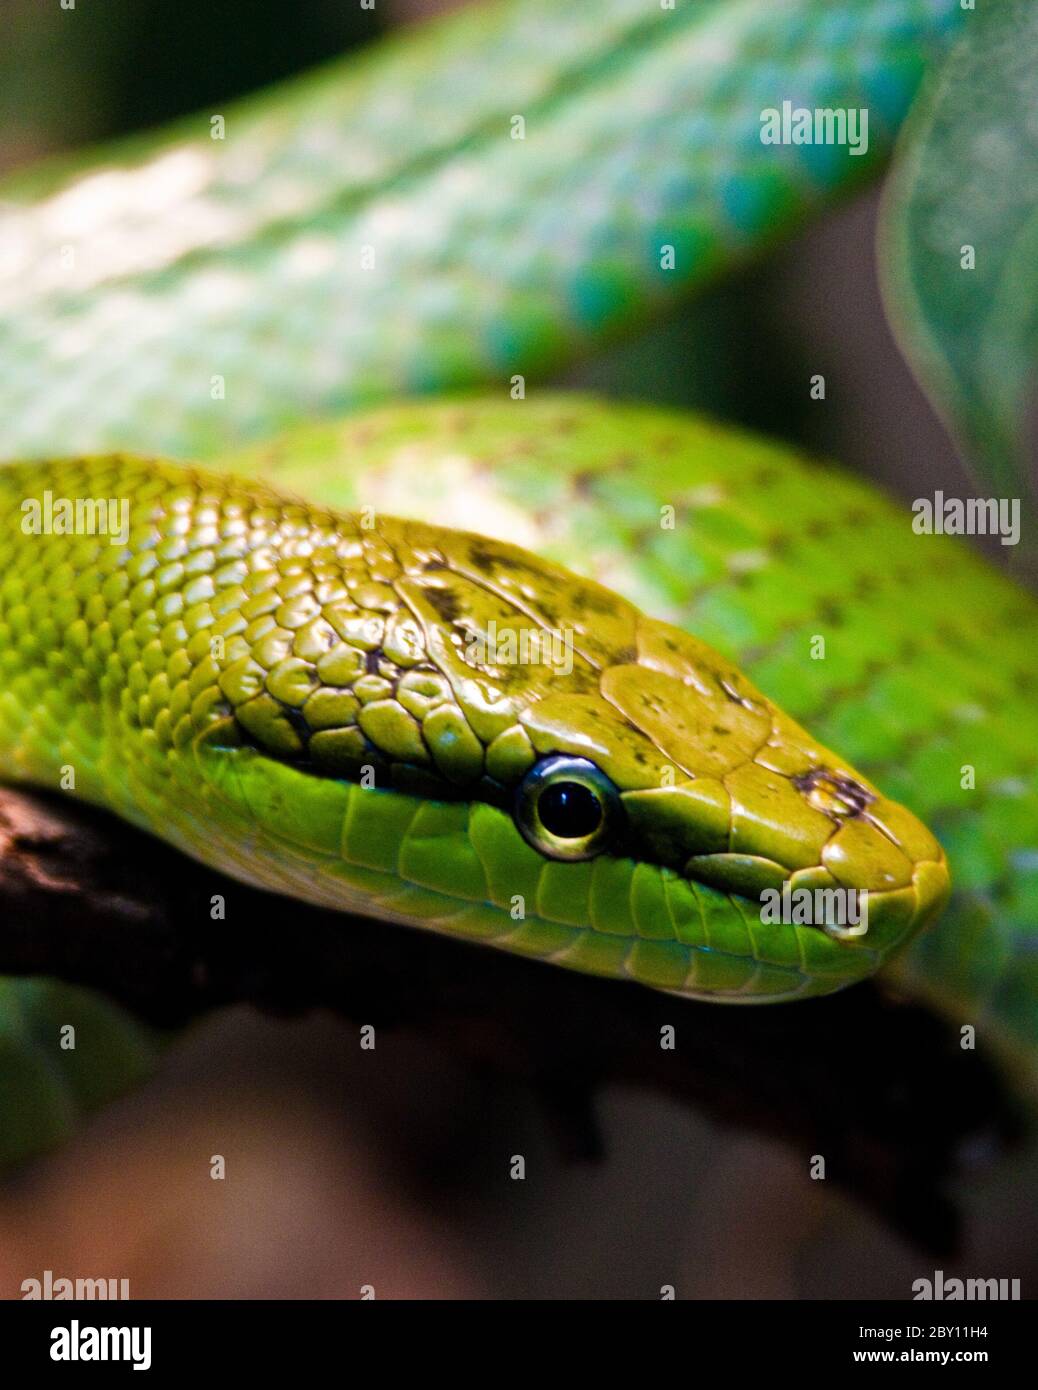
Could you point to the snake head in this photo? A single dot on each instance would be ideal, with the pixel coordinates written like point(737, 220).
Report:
point(784, 869)
point(443, 730)
point(447, 731)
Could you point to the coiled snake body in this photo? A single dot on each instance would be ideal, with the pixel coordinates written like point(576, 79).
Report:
point(312, 693)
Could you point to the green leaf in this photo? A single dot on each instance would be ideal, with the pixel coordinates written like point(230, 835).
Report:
point(966, 176)
point(46, 1085)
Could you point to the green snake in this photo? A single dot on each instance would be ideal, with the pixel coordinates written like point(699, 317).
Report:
point(290, 664)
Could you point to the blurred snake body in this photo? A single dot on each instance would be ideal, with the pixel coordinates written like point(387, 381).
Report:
point(287, 666)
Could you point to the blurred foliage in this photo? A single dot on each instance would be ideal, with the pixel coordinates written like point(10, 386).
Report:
point(967, 183)
point(44, 1090)
point(723, 353)
point(70, 77)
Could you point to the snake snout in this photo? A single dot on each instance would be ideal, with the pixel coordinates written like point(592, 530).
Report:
point(761, 808)
point(885, 852)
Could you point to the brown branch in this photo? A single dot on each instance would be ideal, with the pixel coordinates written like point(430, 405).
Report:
point(881, 1089)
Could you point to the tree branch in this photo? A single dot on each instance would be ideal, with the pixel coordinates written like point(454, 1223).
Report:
point(880, 1089)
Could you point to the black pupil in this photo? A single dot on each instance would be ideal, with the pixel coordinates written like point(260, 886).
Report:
point(569, 810)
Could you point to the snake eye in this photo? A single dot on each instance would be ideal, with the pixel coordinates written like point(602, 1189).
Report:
point(567, 809)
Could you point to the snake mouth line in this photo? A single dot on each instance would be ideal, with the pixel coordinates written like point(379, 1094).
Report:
point(751, 880)
point(741, 876)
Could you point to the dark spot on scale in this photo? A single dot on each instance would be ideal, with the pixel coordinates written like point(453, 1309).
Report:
point(733, 695)
point(443, 602)
point(846, 788)
point(866, 585)
point(488, 562)
point(908, 650)
point(483, 560)
point(590, 602)
point(830, 612)
point(372, 661)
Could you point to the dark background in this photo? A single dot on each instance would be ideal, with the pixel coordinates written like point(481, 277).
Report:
point(391, 1168)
